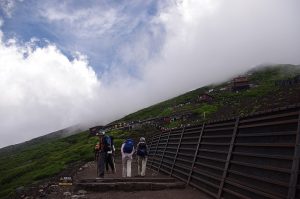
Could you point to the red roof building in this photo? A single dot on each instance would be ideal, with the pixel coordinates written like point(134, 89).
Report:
point(206, 98)
point(240, 83)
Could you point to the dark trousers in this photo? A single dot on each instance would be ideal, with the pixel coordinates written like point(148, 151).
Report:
point(101, 163)
point(110, 162)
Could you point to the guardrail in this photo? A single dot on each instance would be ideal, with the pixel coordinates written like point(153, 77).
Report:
point(255, 156)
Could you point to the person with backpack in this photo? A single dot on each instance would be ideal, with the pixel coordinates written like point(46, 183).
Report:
point(127, 151)
point(142, 155)
point(110, 162)
point(102, 147)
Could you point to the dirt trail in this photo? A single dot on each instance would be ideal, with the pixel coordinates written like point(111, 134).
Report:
point(89, 171)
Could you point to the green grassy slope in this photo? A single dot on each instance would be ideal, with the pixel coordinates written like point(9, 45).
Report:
point(43, 159)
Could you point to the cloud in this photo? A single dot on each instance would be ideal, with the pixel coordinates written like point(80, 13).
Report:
point(211, 41)
point(42, 90)
point(129, 59)
point(8, 6)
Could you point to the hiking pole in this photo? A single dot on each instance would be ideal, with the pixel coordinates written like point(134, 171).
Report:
point(96, 159)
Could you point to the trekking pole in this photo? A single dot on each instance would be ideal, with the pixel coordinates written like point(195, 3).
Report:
point(113, 160)
point(96, 159)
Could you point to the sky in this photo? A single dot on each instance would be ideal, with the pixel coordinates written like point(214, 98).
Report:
point(66, 62)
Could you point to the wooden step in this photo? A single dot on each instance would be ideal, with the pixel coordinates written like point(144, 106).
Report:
point(141, 179)
point(128, 186)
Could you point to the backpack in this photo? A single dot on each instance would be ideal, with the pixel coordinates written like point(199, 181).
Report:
point(107, 143)
point(128, 146)
point(142, 150)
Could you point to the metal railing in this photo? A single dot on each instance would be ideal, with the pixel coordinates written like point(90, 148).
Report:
point(256, 156)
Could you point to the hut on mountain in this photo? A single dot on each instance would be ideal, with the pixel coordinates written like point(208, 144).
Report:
point(205, 98)
point(240, 83)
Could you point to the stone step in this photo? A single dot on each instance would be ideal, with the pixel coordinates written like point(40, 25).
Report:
point(128, 186)
point(138, 179)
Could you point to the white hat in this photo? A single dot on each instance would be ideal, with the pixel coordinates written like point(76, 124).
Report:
point(142, 139)
point(101, 132)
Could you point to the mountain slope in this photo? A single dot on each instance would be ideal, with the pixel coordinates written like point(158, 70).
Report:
point(263, 95)
point(41, 159)
point(46, 156)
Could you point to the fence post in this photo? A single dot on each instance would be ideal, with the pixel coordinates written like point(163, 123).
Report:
point(162, 157)
point(229, 156)
point(150, 145)
point(295, 166)
point(155, 149)
point(177, 151)
point(196, 153)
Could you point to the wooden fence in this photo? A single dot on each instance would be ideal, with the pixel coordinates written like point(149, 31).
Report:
point(255, 156)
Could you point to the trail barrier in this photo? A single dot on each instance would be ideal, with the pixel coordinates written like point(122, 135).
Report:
point(255, 156)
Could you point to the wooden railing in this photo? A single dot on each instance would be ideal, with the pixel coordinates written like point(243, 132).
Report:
point(256, 156)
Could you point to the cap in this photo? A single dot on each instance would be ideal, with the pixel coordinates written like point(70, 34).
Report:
point(142, 139)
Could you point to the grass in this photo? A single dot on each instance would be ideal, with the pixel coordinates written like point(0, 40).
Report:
point(42, 160)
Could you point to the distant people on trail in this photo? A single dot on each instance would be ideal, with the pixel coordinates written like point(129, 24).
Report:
point(110, 162)
point(142, 156)
point(101, 149)
point(127, 151)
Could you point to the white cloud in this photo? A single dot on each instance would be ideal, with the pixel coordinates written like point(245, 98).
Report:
point(210, 41)
point(84, 23)
point(187, 45)
point(42, 91)
point(7, 6)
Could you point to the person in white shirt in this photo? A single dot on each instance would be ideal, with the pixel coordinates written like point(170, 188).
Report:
point(127, 151)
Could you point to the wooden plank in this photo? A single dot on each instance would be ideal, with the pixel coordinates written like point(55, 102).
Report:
point(273, 116)
point(207, 174)
point(263, 179)
point(266, 144)
point(219, 129)
point(206, 182)
point(269, 123)
point(228, 157)
point(280, 157)
point(220, 124)
point(213, 151)
point(209, 166)
point(295, 166)
point(204, 190)
point(284, 133)
point(209, 158)
point(253, 190)
point(215, 143)
point(216, 136)
point(235, 194)
point(262, 167)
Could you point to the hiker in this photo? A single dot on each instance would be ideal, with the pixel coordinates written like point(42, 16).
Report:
point(102, 147)
point(142, 155)
point(127, 151)
point(110, 162)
